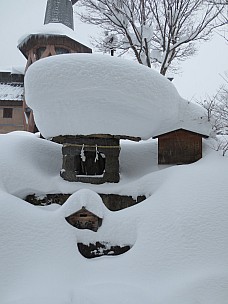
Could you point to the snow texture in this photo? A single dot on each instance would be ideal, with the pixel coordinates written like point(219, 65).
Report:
point(51, 29)
point(82, 94)
point(178, 236)
point(84, 198)
point(9, 91)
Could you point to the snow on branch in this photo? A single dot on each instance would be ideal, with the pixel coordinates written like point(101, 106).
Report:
point(157, 32)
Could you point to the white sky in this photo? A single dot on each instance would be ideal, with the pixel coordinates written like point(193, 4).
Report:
point(200, 74)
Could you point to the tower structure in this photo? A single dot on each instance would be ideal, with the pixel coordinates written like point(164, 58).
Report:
point(54, 38)
point(59, 11)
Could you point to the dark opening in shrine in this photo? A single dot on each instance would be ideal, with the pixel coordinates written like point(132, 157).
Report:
point(91, 163)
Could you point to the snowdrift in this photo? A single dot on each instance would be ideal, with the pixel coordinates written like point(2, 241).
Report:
point(178, 236)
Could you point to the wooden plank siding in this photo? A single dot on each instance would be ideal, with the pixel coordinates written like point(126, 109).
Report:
point(84, 219)
point(179, 147)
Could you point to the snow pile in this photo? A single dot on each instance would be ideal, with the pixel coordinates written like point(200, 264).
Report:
point(111, 95)
point(50, 29)
point(84, 198)
point(41, 161)
point(18, 70)
point(191, 117)
point(178, 236)
point(94, 94)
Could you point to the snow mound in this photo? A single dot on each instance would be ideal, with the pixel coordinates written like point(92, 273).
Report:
point(178, 235)
point(191, 117)
point(84, 198)
point(82, 94)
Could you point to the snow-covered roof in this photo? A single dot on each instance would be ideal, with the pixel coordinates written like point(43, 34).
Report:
point(192, 117)
point(51, 29)
point(13, 70)
point(11, 91)
point(83, 94)
point(84, 198)
point(180, 126)
point(18, 70)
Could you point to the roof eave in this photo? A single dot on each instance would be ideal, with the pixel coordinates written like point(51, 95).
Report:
point(158, 135)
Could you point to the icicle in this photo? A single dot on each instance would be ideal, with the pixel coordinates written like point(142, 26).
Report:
point(96, 156)
point(82, 154)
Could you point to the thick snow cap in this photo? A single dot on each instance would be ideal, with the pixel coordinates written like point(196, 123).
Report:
point(84, 198)
point(51, 29)
point(82, 94)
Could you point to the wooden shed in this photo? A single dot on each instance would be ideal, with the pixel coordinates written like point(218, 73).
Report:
point(84, 219)
point(180, 146)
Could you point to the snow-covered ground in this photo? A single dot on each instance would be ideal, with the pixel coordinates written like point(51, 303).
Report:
point(179, 234)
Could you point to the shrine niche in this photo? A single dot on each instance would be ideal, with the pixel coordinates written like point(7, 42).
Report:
point(90, 159)
point(84, 219)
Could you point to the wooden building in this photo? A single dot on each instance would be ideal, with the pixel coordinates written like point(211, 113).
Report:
point(180, 146)
point(47, 42)
point(84, 219)
point(11, 100)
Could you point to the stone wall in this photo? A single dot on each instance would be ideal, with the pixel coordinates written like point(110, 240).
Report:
point(100, 249)
point(113, 202)
point(89, 159)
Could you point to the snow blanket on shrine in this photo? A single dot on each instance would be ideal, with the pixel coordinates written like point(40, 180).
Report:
point(82, 94)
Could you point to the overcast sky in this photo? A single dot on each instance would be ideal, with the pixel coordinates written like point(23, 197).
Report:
point(200, 75)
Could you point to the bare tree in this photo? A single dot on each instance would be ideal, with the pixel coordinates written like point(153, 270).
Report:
point(217, 109)
point(162, 32)
point(223, 16)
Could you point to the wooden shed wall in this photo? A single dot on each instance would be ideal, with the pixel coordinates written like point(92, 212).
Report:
point(179, 147)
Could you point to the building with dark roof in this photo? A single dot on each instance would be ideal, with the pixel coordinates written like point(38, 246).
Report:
point(54, 38)
point(11, 102)
point(59, 11)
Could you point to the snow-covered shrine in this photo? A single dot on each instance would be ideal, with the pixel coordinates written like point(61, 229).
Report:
point(90, 103)
point(84, 210)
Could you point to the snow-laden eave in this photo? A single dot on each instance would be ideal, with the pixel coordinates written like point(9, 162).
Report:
point(198, 125)
point(61, 138)
point(10, 92)
point(87, 199)
point(25, 39)
point(191, 117)
point(180, 128)
point(47, 30)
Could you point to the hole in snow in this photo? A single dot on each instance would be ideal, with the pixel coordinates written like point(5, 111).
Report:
point(100, 249)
